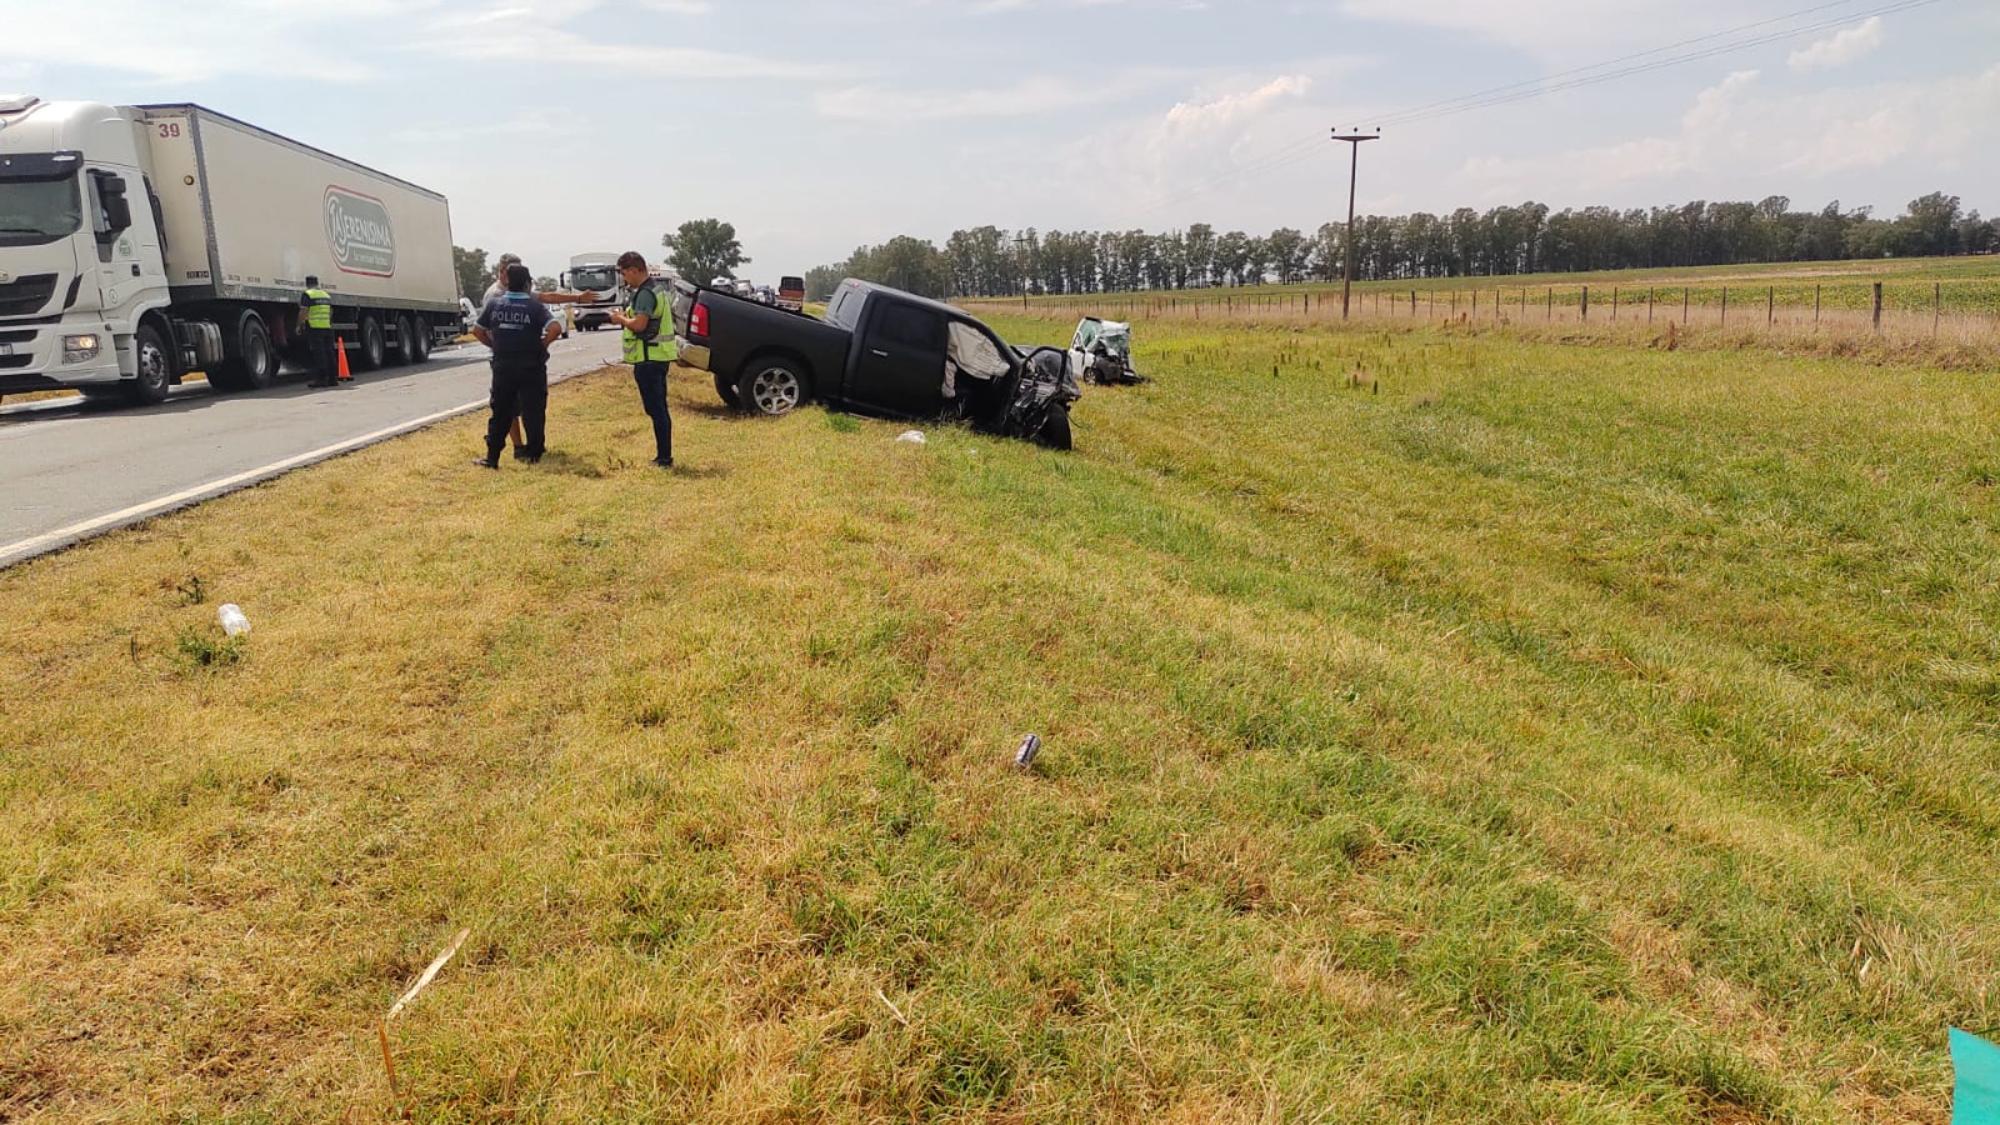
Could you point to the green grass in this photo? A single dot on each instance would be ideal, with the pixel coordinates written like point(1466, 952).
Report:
point(1507, 733)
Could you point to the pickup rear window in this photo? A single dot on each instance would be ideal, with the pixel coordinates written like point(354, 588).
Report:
point(845, 311)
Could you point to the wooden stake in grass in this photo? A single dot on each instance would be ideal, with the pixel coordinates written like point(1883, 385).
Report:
point(423, 982)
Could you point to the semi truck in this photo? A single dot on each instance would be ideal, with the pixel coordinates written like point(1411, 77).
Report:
point(595, 275)
point(142, 244)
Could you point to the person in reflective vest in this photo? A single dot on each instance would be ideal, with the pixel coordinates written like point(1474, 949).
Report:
point(316, 317)
point(649, 348)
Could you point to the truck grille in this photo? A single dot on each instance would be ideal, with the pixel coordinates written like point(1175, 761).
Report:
point(7, 361)
point(28, 295)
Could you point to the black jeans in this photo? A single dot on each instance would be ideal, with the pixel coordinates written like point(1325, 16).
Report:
point(319, 345)
point(652, 380)
point(520, 390)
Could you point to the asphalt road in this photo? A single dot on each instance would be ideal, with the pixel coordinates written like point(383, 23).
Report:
point(69, 471)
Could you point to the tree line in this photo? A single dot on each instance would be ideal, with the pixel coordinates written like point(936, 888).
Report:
point(1530, 238)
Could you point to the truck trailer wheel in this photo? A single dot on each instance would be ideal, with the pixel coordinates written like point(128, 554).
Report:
point(422, 342)
point(773, 387)
point(253, 363)
point(155, 369)
point(727, 389)
point(406, 339)
point(373, 347)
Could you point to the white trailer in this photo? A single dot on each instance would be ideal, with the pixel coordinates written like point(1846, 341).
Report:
point(139, 244)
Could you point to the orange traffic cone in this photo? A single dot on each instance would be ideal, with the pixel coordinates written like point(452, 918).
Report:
point(340, 360)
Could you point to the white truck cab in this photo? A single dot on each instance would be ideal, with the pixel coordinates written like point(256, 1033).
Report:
point(82, 273)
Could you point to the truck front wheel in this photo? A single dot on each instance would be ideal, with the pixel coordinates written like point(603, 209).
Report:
point(149, 353)
point(726, 387)
point(772, 387)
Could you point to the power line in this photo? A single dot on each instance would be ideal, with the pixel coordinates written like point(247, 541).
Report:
point(1575, 78)
point(1787, 17)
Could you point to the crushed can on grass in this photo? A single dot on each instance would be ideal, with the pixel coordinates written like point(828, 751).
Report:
point(1024, 758)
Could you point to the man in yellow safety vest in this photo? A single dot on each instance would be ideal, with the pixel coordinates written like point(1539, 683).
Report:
point(316, 317)
point(649, 348)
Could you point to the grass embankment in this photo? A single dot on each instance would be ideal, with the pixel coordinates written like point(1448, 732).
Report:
point(1554, 734)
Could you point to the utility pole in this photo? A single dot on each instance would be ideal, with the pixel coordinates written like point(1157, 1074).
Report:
point(1021, 256)
point(1353, 140)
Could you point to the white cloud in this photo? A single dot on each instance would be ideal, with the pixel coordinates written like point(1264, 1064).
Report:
point(1840, 48)
point(1549, 28)
point(1734, 132)
point(1028, 96)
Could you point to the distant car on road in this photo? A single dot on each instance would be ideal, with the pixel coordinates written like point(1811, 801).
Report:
point(792, 294)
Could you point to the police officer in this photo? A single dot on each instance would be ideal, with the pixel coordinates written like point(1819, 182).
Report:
point(316, 317)
point(519, 329)
point(649, 348)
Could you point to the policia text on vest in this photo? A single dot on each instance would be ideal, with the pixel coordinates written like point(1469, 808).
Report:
point(316, 313)
point(649, 348)
point(519, 329)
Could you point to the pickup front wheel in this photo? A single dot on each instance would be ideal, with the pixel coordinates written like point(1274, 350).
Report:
point(726, 387)
point(771, 387)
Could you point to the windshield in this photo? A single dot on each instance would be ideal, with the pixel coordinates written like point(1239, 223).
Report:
point(37, 211)
point(595, 278)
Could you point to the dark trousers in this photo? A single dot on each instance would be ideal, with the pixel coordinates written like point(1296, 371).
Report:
point(520, 390)
point(652, 380)
point(319, 345)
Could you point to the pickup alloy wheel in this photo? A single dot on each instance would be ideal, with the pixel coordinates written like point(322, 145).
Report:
point(772, 387)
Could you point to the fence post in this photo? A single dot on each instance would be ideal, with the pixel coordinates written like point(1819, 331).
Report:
point(1454, 304)
point(1586, 304)
point(1816, 289)
point(1937, 306)
point(1878, 306)
point(1649, 305)
point(1725, 306)
point(1614, 304)
point(1770, 306)
point(1684, 306)
point(1475, 304)
point(1524, 304)
point(1552, 302)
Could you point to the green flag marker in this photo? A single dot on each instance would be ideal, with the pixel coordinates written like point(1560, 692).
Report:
point(1977, 1098)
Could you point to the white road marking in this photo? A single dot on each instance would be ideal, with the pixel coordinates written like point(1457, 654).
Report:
point(77, 532)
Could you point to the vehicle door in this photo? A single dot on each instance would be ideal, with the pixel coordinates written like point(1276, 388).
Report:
point(899, 365)
point(128, 248)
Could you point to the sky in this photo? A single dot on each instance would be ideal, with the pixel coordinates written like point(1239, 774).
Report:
point(559, 127)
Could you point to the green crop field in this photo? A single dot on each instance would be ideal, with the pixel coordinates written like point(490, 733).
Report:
point(1439, 726)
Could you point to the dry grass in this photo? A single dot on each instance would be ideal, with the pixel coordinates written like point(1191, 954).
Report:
point(1550, 734)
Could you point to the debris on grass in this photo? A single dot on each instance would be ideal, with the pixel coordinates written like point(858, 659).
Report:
point(912, 437)
point(1024, 757)
point(233, 621)
point(396, 1009)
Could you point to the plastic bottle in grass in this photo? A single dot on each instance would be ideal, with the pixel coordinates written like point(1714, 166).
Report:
point(233, 621)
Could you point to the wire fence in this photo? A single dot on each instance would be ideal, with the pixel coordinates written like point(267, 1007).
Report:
point(1960, 311)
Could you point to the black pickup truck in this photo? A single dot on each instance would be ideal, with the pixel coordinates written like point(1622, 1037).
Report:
point(878, 351)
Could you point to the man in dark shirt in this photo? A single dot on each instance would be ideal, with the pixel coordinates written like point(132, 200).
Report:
point(519, 329)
